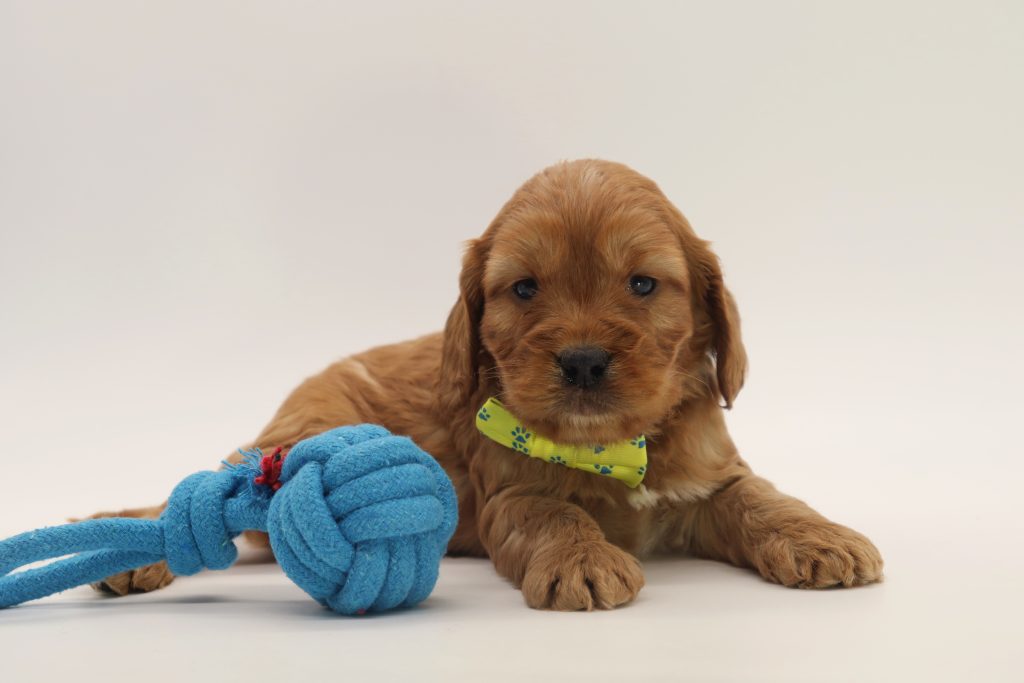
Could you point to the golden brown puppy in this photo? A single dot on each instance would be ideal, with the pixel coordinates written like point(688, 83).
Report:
point(592, 310)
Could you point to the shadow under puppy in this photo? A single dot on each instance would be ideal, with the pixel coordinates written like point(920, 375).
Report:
point(592, 314)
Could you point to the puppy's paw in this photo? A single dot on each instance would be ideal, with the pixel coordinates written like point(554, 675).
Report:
point(819, 555)
point(583, 576)
point(141, 580)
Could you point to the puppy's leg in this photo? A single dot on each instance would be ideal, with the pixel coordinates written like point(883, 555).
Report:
point(150, 577)
point(146, 578)
point(315, 406)
point(556, 553)
point(749, 523)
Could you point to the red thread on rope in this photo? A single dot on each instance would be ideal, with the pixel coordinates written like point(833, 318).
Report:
point(270, 467)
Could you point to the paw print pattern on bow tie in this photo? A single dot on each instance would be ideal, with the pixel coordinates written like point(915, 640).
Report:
point(598, 449)
point(604, 469)
point(484, 415)
point(519, 438)
point(558, 460)
point(641, 470)
point(639, 442)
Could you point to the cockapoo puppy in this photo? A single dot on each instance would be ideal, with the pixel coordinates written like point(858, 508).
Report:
point(594, 314)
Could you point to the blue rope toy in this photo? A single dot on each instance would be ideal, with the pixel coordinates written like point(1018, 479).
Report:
point(360, 521)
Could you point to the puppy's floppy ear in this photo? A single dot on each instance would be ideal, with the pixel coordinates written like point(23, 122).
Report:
point(726, 343)
point(461, 350)
point(723, 339)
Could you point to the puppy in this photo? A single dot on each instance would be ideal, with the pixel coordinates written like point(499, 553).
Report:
point(593, 312)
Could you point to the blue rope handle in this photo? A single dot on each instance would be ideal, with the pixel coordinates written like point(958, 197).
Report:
point(361, 521)
point(106, 546)
point(112, 545)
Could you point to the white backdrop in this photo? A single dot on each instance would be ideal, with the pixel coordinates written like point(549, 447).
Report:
point(201, 203)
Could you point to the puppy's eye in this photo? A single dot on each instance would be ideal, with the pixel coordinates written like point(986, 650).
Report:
point(641, 285)
point(525, 289)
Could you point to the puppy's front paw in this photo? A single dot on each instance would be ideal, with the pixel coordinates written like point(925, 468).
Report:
point(819, 555)
point(583, 576)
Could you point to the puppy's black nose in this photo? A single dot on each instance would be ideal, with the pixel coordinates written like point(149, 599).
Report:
point(583, 366)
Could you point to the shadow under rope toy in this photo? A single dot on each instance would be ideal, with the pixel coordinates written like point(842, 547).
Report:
point(357, 517)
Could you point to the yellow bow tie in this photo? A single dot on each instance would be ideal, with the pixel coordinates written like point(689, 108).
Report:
point(625, 460)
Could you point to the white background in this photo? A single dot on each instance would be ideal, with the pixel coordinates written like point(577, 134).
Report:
point(201, 203)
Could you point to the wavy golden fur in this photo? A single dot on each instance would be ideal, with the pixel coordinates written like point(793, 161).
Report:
point(570, 539)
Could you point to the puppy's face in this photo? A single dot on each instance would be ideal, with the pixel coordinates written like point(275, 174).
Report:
point(586, 310)
point(590, 321)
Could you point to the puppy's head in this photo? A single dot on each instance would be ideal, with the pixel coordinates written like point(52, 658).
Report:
point(591, 309)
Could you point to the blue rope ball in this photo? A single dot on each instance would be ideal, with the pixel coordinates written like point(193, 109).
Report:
point(362, 520)
point(357, 517)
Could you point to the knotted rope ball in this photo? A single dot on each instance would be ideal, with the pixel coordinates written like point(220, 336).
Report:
point(357, 517)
